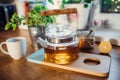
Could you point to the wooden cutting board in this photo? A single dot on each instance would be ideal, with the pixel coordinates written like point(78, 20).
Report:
point(92, 64)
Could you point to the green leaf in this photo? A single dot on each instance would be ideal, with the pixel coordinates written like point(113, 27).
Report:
point(53, 19)
point(14, 16)
point(76, 1)
point(14, 26)
point(8, 25)
point(88, 1)
point(51, 1)
point(85, 5)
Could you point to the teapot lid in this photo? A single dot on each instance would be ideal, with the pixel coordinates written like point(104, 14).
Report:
point(58, 31)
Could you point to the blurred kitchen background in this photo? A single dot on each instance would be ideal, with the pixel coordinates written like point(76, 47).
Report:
point(98, 16)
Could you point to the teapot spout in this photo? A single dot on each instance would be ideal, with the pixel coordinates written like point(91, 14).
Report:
point(42, 42)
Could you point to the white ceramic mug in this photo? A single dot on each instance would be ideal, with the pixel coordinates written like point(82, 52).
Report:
point(16, 47)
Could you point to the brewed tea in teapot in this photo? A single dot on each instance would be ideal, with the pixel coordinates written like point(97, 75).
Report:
point(60, 45)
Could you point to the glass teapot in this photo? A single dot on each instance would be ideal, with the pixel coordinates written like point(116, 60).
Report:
point(60, 44)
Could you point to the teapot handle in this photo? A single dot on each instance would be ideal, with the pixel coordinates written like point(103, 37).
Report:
point(58, 11)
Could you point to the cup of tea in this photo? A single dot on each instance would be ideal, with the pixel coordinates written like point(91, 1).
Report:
point(86, 39)
point(16, 47)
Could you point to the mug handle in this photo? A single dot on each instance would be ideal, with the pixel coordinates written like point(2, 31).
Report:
point(2, 48)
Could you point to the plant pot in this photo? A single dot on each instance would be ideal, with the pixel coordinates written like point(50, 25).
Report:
point(36, 32)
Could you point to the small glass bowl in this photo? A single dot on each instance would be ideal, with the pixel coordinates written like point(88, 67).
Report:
point(86, 39)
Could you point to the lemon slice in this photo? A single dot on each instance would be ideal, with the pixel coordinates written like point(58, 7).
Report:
point(105, 47)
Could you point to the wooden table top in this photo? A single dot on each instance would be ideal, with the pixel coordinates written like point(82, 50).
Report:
point(23, 70)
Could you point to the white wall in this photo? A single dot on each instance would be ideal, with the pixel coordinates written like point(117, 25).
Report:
point(113, 18)
point(19, 6)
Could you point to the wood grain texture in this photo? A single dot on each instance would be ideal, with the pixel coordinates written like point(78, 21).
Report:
point(58, 11)
point(23, 70)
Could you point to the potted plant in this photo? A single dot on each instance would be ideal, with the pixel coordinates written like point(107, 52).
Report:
point(35, 22)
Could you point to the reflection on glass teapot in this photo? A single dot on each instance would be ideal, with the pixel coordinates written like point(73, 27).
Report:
point(60, 45)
